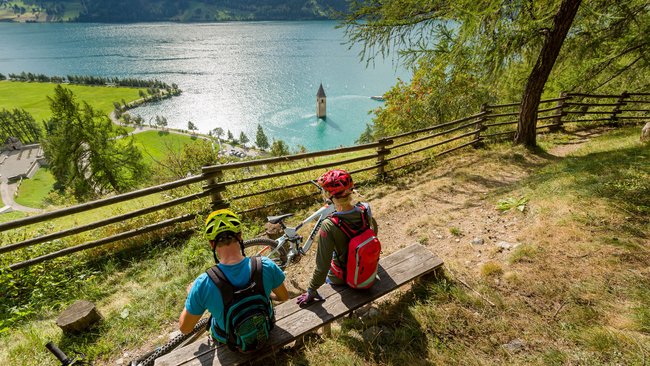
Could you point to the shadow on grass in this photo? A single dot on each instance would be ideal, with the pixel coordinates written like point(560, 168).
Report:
point(621, 177)
point(396, 335)
point(163, 133)
point(53, 284)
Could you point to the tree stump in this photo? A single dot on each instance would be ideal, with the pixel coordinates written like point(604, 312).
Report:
point(78, 317)
point(645, 133)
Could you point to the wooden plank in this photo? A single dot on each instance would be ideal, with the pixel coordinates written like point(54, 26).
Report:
point(436, 127)
point(209, 170)
point(433, 135)
point(471, 133)
point(293, 321)
point(593, 95)
point(97, 224)
point(107, 240)
point(221, 185)
point(100, 203)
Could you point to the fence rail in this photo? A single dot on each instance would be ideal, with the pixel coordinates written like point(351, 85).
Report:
point(286, 179)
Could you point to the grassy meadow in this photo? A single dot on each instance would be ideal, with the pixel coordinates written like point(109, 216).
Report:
point(574, 291)
point(32, 97)
point(155, 145)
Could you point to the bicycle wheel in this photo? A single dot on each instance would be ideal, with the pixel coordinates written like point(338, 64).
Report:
point(263, 247)
point(150, 358)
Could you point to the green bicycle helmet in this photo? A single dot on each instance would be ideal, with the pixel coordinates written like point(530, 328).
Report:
point(221, 221)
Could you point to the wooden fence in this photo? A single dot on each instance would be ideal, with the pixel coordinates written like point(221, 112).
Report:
point(265, 185)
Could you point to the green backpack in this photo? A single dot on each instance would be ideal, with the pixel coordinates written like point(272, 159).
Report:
point(248, 312)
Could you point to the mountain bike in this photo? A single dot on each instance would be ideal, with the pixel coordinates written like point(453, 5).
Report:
point(289, 247)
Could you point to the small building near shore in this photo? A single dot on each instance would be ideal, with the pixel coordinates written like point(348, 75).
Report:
point(321, 102)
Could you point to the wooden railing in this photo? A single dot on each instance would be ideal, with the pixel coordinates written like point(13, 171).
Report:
point(264, 185)
point(571, 108)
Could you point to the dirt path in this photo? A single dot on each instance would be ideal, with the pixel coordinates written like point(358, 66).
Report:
point(451, 210)
point(576, 139)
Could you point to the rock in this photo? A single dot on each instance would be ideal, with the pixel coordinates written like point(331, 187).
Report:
point(504, 245)
point(514, 345)
point(372, 312)
point(367, 311)
point(119, 361)
point(478, 241)
point(273, 231)
point(439, 236)
point(457, 240)
point(371, 334)
point(645, 133)
point(78, 317)
point(375, 333)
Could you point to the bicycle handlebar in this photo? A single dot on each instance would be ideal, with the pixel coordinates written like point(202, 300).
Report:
point(63, 358)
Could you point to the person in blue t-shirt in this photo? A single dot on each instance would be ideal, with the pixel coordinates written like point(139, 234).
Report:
point(223, 231)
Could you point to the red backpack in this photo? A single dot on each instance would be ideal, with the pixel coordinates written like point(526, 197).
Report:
point(363, 253)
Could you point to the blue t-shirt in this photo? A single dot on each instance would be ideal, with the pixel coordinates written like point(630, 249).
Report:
point(205, 295)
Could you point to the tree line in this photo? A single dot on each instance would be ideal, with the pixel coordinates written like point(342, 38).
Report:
point(92, 80)
point(208, 10)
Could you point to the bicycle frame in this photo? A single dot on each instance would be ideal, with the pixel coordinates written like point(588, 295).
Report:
point(291, 233)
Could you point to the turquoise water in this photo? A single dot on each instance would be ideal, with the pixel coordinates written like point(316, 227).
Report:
point(233, 75)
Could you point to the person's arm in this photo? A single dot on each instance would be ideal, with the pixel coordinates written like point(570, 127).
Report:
point(280, 293)
point(324, 252)
point(187, 321)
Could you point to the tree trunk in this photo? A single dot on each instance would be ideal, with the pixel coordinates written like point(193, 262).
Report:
point(526, 127)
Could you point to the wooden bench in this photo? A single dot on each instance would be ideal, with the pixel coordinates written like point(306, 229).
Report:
point(292, 321)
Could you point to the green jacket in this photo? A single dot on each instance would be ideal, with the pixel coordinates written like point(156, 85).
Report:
point(333, 245)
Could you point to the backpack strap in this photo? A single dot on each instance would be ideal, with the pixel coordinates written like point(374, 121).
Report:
point(256, 274)
point(223, 284)
point(227, 290)
point(345, 227)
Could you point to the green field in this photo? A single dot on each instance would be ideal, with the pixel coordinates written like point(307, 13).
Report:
point(33, 191)
point(32, 97)
point(155, 145)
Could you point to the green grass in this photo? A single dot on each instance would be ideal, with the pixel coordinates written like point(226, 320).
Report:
point(155, 145)
point(569, 305)
point(10, 216)
point(33, 191)
point(32, 97)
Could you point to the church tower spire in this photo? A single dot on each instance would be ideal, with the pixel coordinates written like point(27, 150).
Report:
point(321, 102)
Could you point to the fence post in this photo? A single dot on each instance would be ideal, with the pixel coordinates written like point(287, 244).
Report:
point(381, 152)
point(617, 110)
point(479, 127)
point(557, 121)
point(216, 201)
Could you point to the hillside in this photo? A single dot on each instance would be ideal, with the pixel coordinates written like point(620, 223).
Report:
point(121, 11)
point(565, 282)
point(562, 281)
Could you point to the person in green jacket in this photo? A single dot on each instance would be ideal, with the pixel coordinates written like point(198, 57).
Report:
point(332, 250)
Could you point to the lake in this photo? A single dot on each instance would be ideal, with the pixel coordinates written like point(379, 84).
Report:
point(233, 75)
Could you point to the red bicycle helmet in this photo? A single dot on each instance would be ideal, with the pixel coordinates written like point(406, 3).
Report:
point(335, 182)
